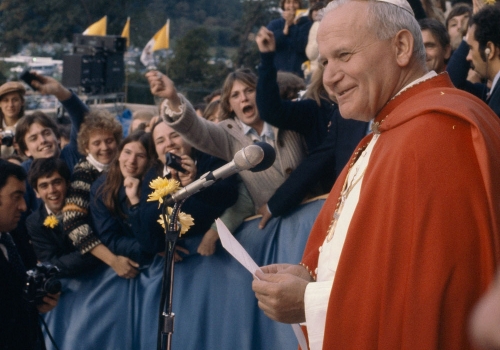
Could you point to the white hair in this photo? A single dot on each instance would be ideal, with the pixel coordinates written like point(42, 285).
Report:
point(387, 20)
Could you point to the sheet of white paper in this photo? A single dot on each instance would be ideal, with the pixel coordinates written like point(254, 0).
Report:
point(239, 253)
point(235, 248)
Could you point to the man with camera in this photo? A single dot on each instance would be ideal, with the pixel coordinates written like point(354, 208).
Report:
point(19, 328)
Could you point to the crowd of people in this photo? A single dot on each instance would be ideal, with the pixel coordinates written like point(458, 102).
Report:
point(399, 122)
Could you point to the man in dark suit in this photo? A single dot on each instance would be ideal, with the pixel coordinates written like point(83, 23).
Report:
point(19, 328)
point(482, 51)
point(50, 177)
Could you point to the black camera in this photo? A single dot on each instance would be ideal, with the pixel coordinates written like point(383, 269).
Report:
point(7, 137)
point(28, 78)
point(40, 281)
point(174, 162)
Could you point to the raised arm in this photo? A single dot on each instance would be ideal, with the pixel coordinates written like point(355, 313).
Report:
point(177, 112)
point(288, 115)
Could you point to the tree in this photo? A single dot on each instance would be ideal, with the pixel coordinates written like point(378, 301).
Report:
point(256, 13)
point(190, 68)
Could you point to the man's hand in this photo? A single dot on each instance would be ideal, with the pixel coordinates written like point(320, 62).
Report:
point(49, 302)
point(294, 269)
point(266, 216)
point(289, 17)
point(485, 320)
point(50, 86)
point(280, 292)
point(265, 40)
point(163, 87)
point(177, 256)
point(125, 267)
point(132, 185)
point(208, 243)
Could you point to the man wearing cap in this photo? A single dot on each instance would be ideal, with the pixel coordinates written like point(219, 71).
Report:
point(409, 237)
point(11, 110)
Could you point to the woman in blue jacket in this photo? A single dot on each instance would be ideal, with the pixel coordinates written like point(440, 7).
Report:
point(115, 195)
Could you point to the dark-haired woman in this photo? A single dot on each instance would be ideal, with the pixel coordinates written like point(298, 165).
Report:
point(204, 206)
point(114, 195)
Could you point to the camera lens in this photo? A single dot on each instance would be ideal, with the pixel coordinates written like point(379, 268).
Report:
point(53, 286)
point(7, 138)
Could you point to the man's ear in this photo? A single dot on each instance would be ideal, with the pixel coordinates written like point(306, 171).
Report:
point(490, 51)
point(27, 153)
point(36, 192)
point(403, 43)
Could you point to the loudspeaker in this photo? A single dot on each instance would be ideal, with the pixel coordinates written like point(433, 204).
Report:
point(114, 72)
point(83, 71)
point(76, 69)
point(86, 50)
point(109, 43)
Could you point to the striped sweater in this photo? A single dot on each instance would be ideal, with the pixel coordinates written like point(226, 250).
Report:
point(76, 209)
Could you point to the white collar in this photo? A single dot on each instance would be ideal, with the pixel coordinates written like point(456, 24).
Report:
point(426, 76)
point(99, 166)
point(49, 212)
point(5, 126)
point(267, 130)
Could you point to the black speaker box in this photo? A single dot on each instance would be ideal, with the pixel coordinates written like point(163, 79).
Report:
point(114, 72)
point(83, 71)
point(109, 43)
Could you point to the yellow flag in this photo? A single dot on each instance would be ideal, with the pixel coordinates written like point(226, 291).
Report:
point(159, 41)
point(126, 31)
point(162, 37)
point(98, 28)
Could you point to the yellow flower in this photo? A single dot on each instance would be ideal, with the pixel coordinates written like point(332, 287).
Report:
point(162, 187)
point(185, 220)
point(51, 221)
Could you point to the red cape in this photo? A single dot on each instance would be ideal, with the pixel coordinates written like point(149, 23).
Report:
point(423, 243)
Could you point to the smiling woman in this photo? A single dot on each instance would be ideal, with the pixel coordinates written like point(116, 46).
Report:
point(115, 195)
point(11, 110)
point(241, 126)
point(98, 139)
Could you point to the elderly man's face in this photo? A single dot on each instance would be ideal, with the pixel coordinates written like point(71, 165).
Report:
point(360, 70)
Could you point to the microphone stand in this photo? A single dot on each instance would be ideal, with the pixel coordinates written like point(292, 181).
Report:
point(166, 316)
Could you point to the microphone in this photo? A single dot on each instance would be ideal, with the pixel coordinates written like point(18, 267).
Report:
point(256, 157)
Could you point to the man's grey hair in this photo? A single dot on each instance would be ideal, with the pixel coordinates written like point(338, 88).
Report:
point(387, 20)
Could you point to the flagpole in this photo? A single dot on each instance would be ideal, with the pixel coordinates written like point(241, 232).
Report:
point(126, 34)
point(126, 84)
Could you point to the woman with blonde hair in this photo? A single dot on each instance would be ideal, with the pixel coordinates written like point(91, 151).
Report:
point(98, 140)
